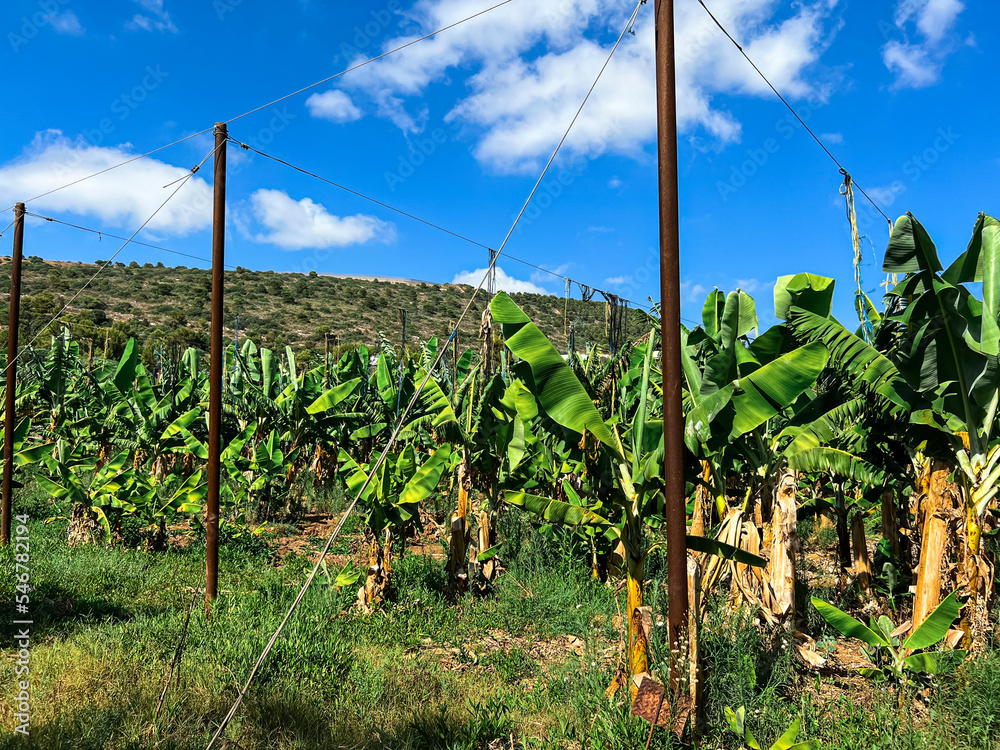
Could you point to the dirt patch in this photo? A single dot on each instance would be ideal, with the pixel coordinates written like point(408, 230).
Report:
point(313, 531)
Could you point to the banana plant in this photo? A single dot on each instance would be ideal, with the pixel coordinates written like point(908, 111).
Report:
point(738, 725)
point(737, 388)
point(603, 480)
point(893, 655)
point(24, 454)
point(392, 495)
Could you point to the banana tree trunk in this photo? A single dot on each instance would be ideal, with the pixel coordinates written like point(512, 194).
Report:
point(929, 578)
point(638, 648)
point(378, 583)
point(784, 547)
point(862, 564)
point(458, 561)
point(894, 526)
point(843, 531)
point(702, 503)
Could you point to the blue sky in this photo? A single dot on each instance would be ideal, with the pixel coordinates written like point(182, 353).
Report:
point(455, 130)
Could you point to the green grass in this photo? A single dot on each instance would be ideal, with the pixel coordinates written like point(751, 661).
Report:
point(416, 674)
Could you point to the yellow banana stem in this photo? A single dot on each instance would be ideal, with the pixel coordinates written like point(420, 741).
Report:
point(638, 653)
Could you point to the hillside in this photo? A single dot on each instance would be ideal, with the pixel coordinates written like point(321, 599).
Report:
point(159, 305)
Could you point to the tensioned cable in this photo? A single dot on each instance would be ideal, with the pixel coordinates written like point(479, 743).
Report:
point(8, 226)
point(99, 270)
point(791, 109)
point(115, 166)
point(400, 211)
point(409, 407)
point(407, 214)
point(102, 233)
point(280, 99)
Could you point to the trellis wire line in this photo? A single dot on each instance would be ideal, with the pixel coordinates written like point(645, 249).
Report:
point(98, 272)
point(407, 214)
point(102, 233)
point(264, 106)
point(400, 211)
point(791, 108)
point(8, 227)
point(399, 424)
point(369, 61)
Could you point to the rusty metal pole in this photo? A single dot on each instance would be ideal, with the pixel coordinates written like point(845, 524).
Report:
point(215, 370)
point(13, 322)
point(670, 321)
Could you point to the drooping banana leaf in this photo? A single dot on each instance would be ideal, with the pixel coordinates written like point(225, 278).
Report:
point(838, 462)
point(775, 386)
point(556, 386)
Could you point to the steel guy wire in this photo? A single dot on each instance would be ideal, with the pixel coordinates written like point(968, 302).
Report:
point(399, 424)
point(792, 109)
point(115, 166)
point(409, 215)
point(102, 233)
point(247, 147)
point(99, 270)
point(264, 106)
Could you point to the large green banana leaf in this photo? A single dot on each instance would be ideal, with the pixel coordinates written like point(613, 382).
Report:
point(556, 386)
point(426, 478)
point(764, 393)
point(804, 290)
point(837, 462)
point(852, 356)
point(333, 397)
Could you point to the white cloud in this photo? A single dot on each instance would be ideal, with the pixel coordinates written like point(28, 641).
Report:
point(123, 198)
point(934, 18)
point(297, 225)
point(157, 20)
point(754, 286)
point(918, 64)
point(600, 230)
point(618, 280)
point(66, 23)
point(333, 105)
point(533, 64)
point(692, 292)
point(833, 137)
point(505, 283)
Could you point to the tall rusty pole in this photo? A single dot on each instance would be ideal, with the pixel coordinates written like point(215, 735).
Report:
point(215, 369)
point(13, 323)
point(670, 322)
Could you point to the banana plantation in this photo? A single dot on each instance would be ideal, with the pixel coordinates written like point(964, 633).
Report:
point(841, 531)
